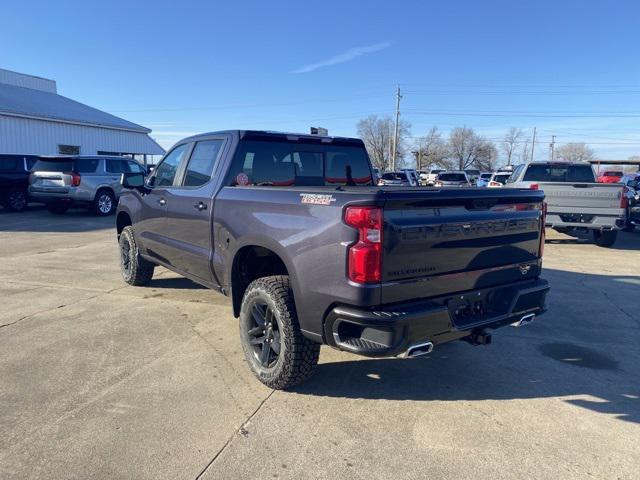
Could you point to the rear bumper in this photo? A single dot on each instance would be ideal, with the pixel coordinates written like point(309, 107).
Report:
point(586, 220)
point(62, 195)
point(392, 329)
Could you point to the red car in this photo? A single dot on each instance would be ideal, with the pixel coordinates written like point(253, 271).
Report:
point(610, 177)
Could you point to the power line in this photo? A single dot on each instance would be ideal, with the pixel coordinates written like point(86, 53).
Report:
point(526, 93)
point(528, 114)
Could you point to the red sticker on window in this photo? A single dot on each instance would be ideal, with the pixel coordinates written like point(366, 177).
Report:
point(242, 179)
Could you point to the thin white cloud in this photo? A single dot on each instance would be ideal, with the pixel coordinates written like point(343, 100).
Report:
point(347, 56)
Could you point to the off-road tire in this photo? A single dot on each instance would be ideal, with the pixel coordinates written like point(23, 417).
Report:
point(17, 201)
point(137, 271)
point(297, 355)
point(57, 208)
point(104, 204)
point(605, 238)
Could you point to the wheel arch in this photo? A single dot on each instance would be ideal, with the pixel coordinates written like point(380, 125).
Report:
point(123, 219)
point(251, 262)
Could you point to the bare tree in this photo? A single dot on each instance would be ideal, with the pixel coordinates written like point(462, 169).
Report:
point(575, 152)
point(377, 135)
point(510, 142)
point(431, 151)
point(469, 149)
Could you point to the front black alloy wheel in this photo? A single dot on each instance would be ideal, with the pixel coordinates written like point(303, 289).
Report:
point(279, 355)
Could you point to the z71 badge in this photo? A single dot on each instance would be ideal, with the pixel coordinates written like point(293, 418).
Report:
point(316, 199)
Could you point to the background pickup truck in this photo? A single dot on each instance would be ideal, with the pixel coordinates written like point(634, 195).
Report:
point(311, 252)
point(574, 199)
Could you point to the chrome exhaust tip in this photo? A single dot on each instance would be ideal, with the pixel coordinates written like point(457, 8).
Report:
point(527, 319)
point(418, 350)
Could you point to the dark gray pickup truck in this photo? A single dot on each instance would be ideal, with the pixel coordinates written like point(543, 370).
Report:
point(311, 252)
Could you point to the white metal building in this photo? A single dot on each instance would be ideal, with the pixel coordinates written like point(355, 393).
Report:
point(34, 119)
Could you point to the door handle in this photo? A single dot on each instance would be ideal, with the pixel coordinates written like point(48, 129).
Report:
point(200, 206)
point(162, 202)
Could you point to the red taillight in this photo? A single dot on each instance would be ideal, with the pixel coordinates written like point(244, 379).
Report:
point(75, 178)
point(543, 219)
point(534, 186)
point(365, 256)
point(624, 200)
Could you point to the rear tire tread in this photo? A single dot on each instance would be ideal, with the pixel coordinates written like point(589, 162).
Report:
point(605, 239)
point(299, 354)
point(141, 270)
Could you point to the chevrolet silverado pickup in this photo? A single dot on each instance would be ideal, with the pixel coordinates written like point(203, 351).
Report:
point(311, 251)
point(575, 200)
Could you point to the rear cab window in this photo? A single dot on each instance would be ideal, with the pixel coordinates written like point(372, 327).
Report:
point(558, 172)
point(281, 163)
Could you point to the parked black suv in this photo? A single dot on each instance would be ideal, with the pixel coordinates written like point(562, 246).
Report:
point(14, 180)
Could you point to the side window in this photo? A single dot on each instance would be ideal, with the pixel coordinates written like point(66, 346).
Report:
point(166, 171)
point(31, 162)
point(202, 162)
point(8, 164)
point(86, 165)
point(135, 167)
point(516, 173)
point(116, 166)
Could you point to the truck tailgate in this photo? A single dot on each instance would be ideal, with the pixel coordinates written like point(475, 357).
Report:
point(447, 242)
point(593, 198)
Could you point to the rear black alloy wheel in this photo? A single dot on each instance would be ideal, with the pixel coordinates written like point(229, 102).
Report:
point(135, 269)
point(17, 200)
point(264, 333)
point(277, 352)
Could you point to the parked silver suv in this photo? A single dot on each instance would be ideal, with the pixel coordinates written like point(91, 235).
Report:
point(90, 181)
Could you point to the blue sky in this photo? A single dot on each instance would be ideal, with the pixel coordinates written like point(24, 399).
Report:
point(568, 67)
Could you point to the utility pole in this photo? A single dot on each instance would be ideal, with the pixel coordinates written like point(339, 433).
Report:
point(395, 135)
point(552, 147)
point(533, 145)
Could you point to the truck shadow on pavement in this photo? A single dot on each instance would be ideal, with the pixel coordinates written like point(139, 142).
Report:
point(625, 241)
point(37, 219)
point(584, 348)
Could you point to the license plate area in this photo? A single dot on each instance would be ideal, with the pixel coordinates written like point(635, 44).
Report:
point(477, 307)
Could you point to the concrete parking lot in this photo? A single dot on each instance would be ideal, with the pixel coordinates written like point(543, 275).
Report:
point(103, 380)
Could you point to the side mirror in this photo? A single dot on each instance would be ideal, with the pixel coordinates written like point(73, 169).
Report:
point(133, 181)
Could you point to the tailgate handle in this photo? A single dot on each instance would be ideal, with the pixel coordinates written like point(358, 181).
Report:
point(581, 185)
